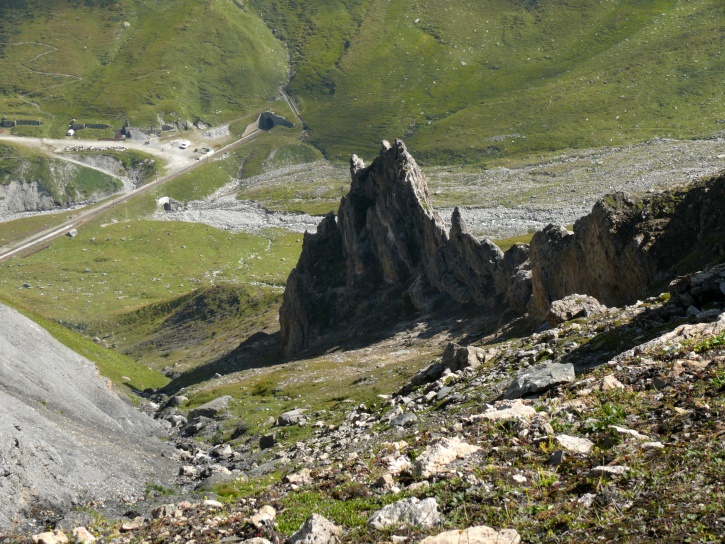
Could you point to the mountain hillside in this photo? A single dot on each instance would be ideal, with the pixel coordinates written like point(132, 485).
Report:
point(109, 61)
point(462, 83)
point(466, 81)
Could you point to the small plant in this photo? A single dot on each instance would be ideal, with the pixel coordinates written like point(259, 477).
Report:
point(707, 344)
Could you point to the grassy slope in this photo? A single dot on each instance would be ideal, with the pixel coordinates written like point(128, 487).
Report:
point(181, 59)
point(551, 74)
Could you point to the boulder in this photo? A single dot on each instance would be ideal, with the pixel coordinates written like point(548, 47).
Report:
point(572, 307)
point(406, 513)
point(457, 357)
point(475, 535)
point(210, 409)
point(436, 457)
point(317, 530)
point(292, 417)
point(540, 378)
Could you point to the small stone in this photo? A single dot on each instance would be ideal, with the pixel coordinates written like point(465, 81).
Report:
point(165, 511)
point(608, 471)
point(629, 432)
point(51, 537)
point(302, 477)
point(292, 417)
point(403, 420)
point(210, 409)
point(437, 456)
point(443, 392)
point(574, 444)
point(317, 530)
point(652, 446)
point(519, 478)
point(133, 525)
point(556, 458)
point(385, 482)
point(178, 400)
point(263, 517)
point(540, 378)
point(586, 500)
point(406, 513)
point(475, 535)
point(609, 382)
point(513, 410)
point(416, 486)
point(209, 503)
point(81, 535)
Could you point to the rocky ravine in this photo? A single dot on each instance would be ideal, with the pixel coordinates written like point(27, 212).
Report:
point(65, 437)
point(388, 253)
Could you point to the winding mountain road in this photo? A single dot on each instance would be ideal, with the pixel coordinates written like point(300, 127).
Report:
point(178, 162)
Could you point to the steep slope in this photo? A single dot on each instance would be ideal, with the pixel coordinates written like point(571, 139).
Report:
point(65, 437)
point(467, 81)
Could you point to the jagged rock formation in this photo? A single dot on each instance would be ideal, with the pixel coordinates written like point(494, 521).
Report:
point(388, 253)
point(627, 246)
point(64, 435)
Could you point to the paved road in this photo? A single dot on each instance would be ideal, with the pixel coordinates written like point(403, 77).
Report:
point(39, 240)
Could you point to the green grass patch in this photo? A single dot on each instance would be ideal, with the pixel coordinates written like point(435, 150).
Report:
point(467, 83)
point(506, 243)
point(352, 512)
point(123, 266)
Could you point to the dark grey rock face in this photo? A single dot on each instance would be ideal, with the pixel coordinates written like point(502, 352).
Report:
point(388, 252)
point(628, 246)
point(388, 255)
point(64, 435)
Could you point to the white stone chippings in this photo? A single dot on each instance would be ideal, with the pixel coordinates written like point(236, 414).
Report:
point(475, 535)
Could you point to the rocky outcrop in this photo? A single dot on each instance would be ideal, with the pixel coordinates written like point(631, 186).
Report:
point(21, 196)
point(628, 246)
point(388, 253)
